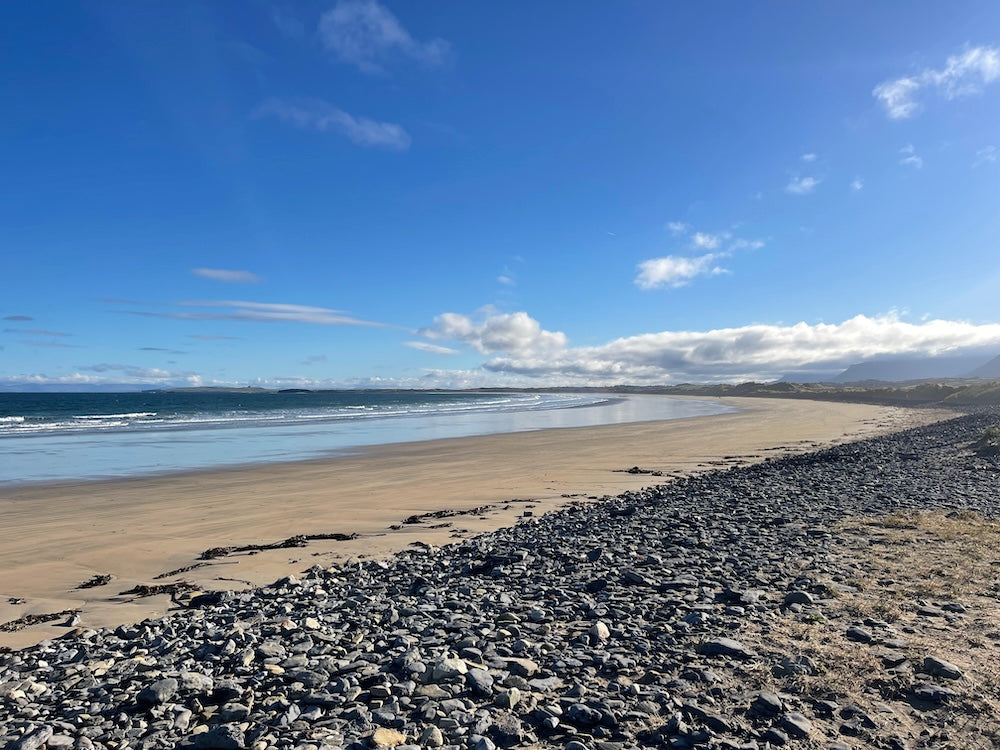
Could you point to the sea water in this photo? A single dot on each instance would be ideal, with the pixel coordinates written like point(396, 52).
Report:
point(85, 436)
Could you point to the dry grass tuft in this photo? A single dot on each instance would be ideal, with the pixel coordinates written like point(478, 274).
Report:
point(899, 563)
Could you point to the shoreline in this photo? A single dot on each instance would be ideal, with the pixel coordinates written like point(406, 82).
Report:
point(57, 536)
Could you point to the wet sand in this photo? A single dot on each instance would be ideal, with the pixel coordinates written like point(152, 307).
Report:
point(54, 537)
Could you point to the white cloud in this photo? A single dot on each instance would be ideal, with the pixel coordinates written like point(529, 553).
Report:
point(323, 117)
point(755, 351)
point(259, 311)
point(801, 185)
point(678, 227)
point(676, 271)
point(227, 276)
point(707, 241)
point(673, 271)
point(366, 34)
point(808, 157)
point(857, 184)
point(962, 75)
point(513, 333)
point(432, 348)
point(987, 155)
point(910, 158)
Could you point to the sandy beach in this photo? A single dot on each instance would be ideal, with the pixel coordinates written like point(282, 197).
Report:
point(53, 537)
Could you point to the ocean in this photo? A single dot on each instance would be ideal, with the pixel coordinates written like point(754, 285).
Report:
point(87, 436)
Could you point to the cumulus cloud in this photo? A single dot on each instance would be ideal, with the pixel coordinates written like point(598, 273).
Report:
point(257, 311)
point(757, 351)
point(707, 241)
point(366, 34)
point(910, 158)
point(323, 117)
point(425, 346)
point(801, 185)
point(227, 276)
point(509, 333)
point(962, 75)
point(676, 271)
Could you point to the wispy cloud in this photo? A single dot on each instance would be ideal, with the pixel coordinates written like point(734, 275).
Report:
point(857, 184)
point(35, 332)
point(227, 276)
point(987, 155)
point(910, 158)
point(962, 75)
point(160, 349)
point(287, 23)
point(801, 185)
point(18, 318)
point(323, 117)
point(366, 34)
point(808, 158)
point(49, 344)
point(428, 347)
point(210, 337)
point(674, 271)
point(518, 345)
point(258, 311)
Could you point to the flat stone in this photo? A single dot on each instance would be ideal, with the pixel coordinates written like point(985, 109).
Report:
point(33, 739)
point(158, 692)
point(726, 647)
point(796, 724)
point(222, 737)
point(859, 634)
point(799, 597)
point(941, 668)
point(383, 737)
point(522, 667)
point(766, 703)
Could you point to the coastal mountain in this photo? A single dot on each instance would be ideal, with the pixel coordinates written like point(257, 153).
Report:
point(922, 368)
point(990, 370)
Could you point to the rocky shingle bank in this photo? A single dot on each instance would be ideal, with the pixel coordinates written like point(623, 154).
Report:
point(661, 618)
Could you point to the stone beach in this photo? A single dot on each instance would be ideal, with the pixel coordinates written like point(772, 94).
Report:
point(724, 610)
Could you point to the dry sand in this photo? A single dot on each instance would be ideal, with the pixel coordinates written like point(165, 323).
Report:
point(55, 536)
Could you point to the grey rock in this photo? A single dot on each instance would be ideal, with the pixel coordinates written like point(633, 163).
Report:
point(221, 737)
point(799, 597)
point(766, 704)
point(158, 692)
point(859, 634)
point(479, 681)
point(726, 647)
point(941, 668)
point(796, 725)
point(34, 739)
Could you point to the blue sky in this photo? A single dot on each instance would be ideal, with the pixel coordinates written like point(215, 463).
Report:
point(459, 194)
